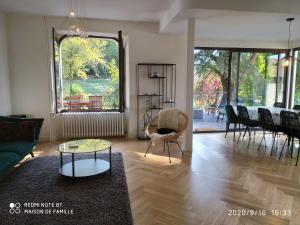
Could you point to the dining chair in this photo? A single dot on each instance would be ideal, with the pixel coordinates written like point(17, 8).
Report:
point(231, 118)
point(267, 124)
point(244, 119)
point(291, 125)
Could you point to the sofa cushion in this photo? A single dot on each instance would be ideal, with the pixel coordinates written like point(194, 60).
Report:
point(21, 147)
point(15, 131)
point(8, 160)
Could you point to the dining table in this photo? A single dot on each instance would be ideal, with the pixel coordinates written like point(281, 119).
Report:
point(275, 111)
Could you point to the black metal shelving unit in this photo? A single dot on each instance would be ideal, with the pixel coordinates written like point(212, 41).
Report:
point(156, 89)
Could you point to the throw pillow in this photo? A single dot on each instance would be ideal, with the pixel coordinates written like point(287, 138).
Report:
point(165, 130)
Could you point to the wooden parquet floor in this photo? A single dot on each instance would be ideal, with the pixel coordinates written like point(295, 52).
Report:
point(209, 186)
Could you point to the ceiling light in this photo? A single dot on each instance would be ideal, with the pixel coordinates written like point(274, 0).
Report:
point(77, 13)
point(288, 58)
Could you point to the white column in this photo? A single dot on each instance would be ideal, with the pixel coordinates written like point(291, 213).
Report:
point(190, 44)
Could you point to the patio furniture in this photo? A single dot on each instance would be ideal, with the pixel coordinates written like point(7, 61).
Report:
point(73, 101)
point(219, 107)
point(231, 117)
point(245, 119)
point(267, 124)
point(167, 130)
point(198, 114)
point(95, 102)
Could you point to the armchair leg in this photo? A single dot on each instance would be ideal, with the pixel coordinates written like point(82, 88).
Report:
point(168, 152)
point(32, 155)
point(148, 148)
point(179, 147)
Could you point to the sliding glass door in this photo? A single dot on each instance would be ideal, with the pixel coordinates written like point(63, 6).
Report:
point(258, 79)
point(211, 76)
point(236, 76)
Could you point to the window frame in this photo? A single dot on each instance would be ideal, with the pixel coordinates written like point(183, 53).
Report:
point(121, 67)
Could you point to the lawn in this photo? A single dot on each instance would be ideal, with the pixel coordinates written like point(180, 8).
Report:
point(89, 86)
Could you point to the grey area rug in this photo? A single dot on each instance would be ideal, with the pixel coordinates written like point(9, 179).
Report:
point(38, 188)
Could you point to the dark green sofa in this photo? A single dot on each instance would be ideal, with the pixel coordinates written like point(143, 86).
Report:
point(18, 137)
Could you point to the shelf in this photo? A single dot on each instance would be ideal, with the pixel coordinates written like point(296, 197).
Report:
point(150, 95)
point(158, 77)
point(153, 95)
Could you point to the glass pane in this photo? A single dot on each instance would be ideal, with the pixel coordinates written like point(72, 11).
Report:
point(210, 77)
point(297, 80)
point(234, 99)
point(57, 77)
point(90, 74)
point(281, 79)
point(210, 89)
point(257, 84)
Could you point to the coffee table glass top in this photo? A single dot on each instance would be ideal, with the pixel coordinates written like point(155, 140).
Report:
point(84, 146)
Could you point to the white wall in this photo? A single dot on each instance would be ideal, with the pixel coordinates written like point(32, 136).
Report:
point(28, 67)
point(29, 57)
point(29, 61)
point(5, 101)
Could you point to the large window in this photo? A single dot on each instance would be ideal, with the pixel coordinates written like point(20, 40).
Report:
point(297, 77)
point(258, 77)
point(87, 74)
point(250, 77)
point(255, 77)
point(211, 77)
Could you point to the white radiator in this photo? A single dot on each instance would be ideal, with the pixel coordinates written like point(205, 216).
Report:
point(91, 124)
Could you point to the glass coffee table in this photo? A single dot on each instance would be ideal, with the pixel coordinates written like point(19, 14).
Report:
point(84, 167)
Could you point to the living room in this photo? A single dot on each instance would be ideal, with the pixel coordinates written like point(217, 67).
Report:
point(98, 102)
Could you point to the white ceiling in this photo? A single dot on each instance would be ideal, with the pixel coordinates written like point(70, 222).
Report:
point(132, 10)
point(236, 25)
point(210, 23)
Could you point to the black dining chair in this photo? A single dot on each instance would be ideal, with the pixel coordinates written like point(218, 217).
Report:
point(231, 118)
point(284, 115)
point(267, 124)
point(291, 126)
point(244, 119)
